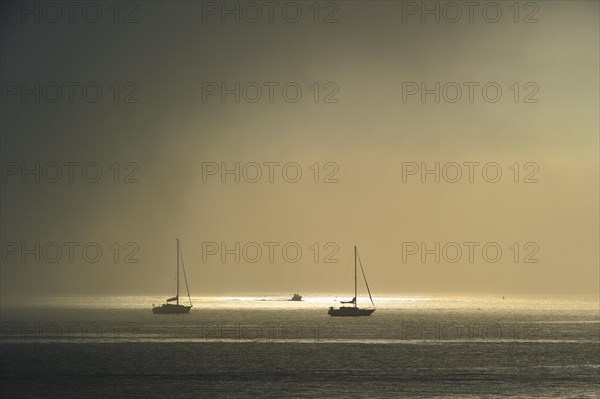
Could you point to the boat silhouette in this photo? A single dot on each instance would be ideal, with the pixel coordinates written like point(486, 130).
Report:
point(296, 297)
point(176, 308)
point(354, 310)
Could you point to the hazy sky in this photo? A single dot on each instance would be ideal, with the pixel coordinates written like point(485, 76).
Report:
point(177, 52)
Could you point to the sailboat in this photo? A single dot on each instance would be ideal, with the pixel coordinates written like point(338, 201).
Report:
point(354, 310)
point(176, 308)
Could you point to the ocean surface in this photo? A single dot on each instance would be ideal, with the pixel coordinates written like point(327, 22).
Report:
point(447, 346)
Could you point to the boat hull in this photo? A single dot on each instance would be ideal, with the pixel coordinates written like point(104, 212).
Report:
point(350, 311)
point(171, 309)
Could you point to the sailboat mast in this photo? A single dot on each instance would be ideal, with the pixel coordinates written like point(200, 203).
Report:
point(355, 276)
point(177, 271)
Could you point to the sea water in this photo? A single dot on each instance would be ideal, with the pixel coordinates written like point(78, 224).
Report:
point(247, 346)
